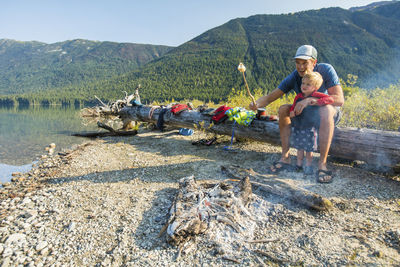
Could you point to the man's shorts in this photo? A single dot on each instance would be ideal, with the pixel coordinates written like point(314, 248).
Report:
point(338, 115)
point(310, 118)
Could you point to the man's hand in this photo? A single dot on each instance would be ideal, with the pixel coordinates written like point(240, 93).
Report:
point(252, 106)
point(291, 114)
point(313, 102)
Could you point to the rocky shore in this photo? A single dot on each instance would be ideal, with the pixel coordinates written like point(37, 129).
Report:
point(104, 203)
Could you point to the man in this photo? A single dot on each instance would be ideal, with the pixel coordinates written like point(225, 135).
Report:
point(306, 61)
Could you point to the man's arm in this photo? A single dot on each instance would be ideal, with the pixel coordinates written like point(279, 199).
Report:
point(336, 92)
point(267, 99)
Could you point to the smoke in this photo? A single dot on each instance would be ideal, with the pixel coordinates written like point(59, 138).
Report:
point(384, 76)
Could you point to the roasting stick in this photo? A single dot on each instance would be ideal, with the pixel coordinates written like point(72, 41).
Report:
point(242, 69)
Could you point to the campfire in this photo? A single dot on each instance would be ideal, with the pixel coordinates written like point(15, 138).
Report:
point(226, 214)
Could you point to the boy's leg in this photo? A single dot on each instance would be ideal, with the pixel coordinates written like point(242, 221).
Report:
point(309, 158)
point(285, 131)
point(300, 157)
point(308, 169)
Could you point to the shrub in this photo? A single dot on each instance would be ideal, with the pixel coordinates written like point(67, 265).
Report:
point(376, 109)
point(240, 98)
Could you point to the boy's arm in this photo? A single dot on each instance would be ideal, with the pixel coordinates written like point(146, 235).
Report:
point(294, 102)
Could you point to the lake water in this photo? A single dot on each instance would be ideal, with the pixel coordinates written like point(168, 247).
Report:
point(24, 134)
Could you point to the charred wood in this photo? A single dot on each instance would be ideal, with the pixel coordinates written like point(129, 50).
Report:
point(273, 185)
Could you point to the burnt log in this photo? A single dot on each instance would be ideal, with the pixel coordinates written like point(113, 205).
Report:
point(272, 184)
point(381, 148)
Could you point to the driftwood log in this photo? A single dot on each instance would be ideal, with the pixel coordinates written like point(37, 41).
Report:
point(111, 132)
point(380, 148)
point(271, 184)
point(111, 109)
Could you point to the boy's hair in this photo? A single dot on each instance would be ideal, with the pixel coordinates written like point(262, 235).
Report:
point(315, 78)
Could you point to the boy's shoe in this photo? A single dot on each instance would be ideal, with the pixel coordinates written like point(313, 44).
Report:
point(298, 168)
point(308, 170)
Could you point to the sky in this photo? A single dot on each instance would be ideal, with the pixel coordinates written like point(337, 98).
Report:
point(161, 22)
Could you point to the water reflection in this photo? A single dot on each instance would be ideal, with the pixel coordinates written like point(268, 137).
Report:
point(7, 170)
point(26, 131)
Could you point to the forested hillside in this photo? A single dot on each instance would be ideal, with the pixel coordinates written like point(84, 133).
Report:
point(34, 66)
point(365, 43)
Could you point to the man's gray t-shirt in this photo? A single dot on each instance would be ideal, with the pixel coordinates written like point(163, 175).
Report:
point(328, 73)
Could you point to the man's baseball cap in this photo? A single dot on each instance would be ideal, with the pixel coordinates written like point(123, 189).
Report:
point(306, 52)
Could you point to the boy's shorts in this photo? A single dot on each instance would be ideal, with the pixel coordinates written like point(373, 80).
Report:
point(304, 139)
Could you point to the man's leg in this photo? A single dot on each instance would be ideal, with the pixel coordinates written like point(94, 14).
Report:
point(326, 130)
point(285, 130)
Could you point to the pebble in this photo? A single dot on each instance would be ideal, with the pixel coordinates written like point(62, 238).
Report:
point(71, 226)
point(15, 238)
point(7, 252)
point(41, 245)
point(5, 262)
point(26, 201)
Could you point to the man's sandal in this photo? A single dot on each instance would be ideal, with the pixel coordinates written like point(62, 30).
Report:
point(279, 166)
point(308, 170)
point(324, 177)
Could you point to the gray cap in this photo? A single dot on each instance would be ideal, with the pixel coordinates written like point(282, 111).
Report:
point(306, 52)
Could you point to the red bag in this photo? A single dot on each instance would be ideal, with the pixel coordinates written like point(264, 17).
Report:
point(178, 108)
point(219, 114)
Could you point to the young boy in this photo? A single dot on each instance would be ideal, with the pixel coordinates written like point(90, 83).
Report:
point(305, 124)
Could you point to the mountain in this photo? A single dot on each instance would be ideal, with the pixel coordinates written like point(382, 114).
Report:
point(371, 6)
point(363, 43)
point(33, 66)
point(389, 9)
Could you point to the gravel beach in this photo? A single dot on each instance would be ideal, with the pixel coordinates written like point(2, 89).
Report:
point(104, 203)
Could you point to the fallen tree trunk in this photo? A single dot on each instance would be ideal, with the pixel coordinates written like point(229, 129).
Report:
point(381, 148)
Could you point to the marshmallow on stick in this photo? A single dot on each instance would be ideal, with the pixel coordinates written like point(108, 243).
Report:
point(242, 69)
